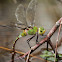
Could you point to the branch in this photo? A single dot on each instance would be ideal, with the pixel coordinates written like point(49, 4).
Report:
point(10, 50)
point(52, 31)
point(57, 41)
point(59, 44)
point(27, 60)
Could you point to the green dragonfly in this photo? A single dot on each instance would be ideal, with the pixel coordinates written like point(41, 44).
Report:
point(26, 21)
point(27, 18)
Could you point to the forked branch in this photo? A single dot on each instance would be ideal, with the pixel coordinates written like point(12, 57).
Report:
point(49, 35)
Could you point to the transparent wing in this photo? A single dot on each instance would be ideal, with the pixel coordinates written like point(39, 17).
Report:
point(31, 12)
point(21, 15)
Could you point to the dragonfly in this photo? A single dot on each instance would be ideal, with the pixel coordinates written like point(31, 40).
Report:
point(26, 19)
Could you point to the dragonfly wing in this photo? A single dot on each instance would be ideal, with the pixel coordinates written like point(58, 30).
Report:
point(30, 12)
point(21, 15)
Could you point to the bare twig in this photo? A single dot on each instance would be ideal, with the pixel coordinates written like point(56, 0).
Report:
point(57, 42)
point(27, 60)
point(52, 31)
point(55, 27)
point(10, 50)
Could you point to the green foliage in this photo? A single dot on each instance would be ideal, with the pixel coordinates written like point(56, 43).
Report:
point(46, 54)
point(51, 59)
point(49, 55)
point(60, 55)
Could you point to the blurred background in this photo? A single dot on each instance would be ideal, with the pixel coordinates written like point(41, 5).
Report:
point(47, 13)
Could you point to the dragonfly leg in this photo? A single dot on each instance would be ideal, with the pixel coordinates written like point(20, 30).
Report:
point(44, 35)
point(47, 45)
point(30, 39)
point(37, 38)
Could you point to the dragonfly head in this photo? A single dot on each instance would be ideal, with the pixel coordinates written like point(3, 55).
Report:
point(41, 31)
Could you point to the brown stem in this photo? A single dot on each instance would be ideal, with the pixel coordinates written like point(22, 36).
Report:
point(27, 60)
point(57, 42)
point(13, 52)
point(52, 31)
point(10, 50)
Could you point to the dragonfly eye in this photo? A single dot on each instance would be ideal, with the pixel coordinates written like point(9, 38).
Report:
point(40, 31)
point(27, 29)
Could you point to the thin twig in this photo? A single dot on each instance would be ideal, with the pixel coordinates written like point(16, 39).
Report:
point(57, 42)
point(10, 50)
point(27, 60)
point(52, 31)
